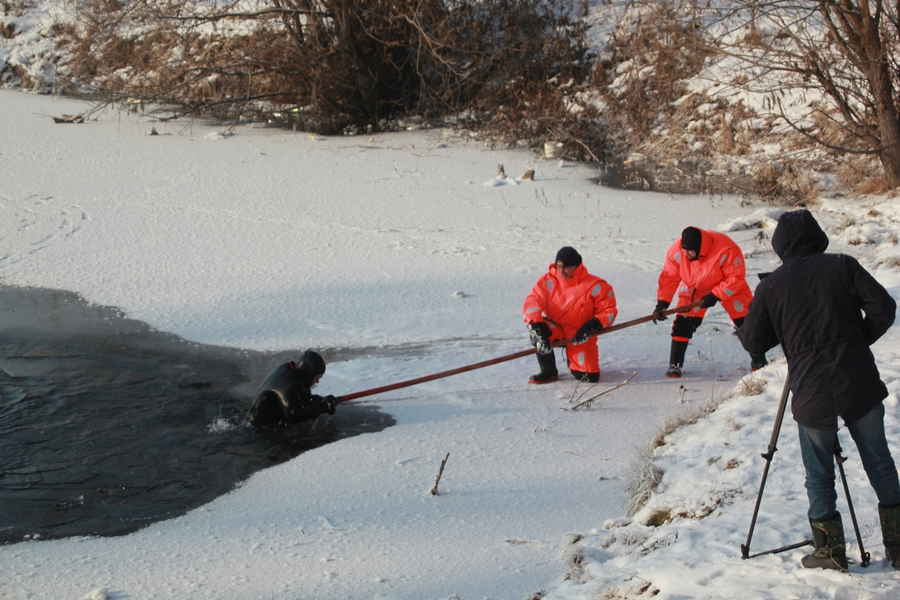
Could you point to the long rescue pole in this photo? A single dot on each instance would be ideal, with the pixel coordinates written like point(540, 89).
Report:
point(504, 358)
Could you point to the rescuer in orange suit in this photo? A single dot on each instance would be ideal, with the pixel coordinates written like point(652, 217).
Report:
point(707, 266)
point(568, 303)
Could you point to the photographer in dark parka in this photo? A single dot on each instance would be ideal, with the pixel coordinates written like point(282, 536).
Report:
point(286, 397)
point(826, 310)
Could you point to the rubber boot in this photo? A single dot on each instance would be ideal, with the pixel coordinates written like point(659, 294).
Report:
point(828, 540)
point(676, 358)
point(890, 533)
point(548, 372)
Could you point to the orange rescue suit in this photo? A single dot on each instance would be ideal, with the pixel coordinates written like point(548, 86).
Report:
point(565, 305)
point(719, 269)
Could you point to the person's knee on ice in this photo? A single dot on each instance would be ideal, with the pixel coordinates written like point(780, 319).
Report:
point(572, 305)
point(704, 268)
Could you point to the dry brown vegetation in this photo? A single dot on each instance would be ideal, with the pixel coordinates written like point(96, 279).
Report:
point(514, 72)
point(507, 68)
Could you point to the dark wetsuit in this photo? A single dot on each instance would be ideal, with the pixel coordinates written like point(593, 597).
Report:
point(286, 398)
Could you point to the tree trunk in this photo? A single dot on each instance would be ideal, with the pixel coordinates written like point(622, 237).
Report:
point(863, 46)
point(877, 71)
point(889, 128)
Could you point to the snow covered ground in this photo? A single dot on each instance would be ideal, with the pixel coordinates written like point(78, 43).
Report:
point(407, 249)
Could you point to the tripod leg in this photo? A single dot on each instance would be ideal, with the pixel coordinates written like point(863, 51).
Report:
point(839, 459)
point(776, 431)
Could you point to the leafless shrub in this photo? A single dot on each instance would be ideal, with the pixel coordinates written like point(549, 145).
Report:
point(634, 587)
point(14, 8)
point(862, 174)
point(751, 385)
point(889, 262)
point(652, 56)
point(336, 65)
point(659, 517)
point(643, 481)
point(842, 52)
point(782, 182)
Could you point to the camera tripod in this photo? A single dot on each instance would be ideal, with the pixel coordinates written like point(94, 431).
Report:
point(839, 459)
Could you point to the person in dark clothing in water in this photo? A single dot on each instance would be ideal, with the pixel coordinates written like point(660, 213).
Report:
point(286, 395)
point(826, 310)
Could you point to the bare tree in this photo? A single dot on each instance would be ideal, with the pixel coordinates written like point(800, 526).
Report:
point(846, 51)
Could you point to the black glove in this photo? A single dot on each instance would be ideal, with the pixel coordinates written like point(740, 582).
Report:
point(757, 361)
point(540, 337)
point(708, 300)
point(592, 326)
point(328, 404)
point(658, 315)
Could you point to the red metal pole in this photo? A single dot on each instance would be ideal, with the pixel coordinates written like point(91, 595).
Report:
point(500, 359)
point(408, 382)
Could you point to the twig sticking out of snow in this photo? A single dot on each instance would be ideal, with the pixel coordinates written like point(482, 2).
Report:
point(434, 490)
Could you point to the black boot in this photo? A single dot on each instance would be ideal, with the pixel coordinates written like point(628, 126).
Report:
point(676, 358)
point(828, 540)
point(548, 372)
point(890, 533)
point(586, 377)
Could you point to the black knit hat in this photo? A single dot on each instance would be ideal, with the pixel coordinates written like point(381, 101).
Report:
point(568, 256)
point(690, 239)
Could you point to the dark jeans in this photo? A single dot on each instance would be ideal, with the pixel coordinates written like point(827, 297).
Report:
point(817, 448)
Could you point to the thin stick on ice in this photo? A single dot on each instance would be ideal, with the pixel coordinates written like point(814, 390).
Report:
point(604, 392)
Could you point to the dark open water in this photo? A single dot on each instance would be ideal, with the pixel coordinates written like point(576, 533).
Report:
point(107, 426)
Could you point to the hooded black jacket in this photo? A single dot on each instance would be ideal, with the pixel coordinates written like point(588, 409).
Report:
point(825, 310)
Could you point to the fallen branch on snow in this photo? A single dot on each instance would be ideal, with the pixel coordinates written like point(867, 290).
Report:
point(587, 402)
